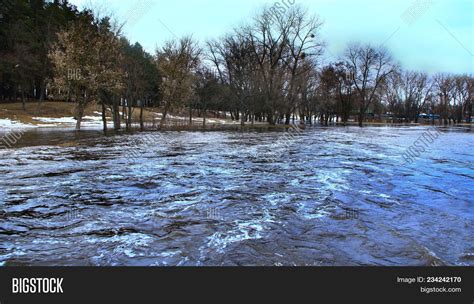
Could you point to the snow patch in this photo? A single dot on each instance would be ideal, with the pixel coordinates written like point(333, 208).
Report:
point(62, 120)
point(9, 124)
point(87, 121)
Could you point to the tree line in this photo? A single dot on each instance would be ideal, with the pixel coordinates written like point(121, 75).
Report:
point(266, 71)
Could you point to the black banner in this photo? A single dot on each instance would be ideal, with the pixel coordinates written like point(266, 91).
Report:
point(295, 285)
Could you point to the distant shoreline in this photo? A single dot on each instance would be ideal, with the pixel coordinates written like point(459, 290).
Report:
point(56, 115)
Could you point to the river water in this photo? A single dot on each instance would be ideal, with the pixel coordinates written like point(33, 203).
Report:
point(328, 196)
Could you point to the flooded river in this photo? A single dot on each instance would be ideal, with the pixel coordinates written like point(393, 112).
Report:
point(328, 196)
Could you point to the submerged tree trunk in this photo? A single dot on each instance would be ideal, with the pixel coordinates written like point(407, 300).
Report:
point(142, 127)
point(361, 119)
point(204, 118)
point(124, 109)
point(116, 114)
point(104, 118)
point(41, 97)
point(287, 119)
point(163, 119)
point(79, 114)
point(271, 119)
point(129, 116)
point(469, 112)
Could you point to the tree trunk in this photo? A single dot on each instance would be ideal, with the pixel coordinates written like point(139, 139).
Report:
point(204, 118)
point(129, 116)
point(163, 119)
point(470, 114)
point(79, 114)
point(142, 127)
point(271, 119)
point(104, 118)
point(68, 97)
point(361, 119)
point(116, 113)
point(41, 97)
point(23, 102)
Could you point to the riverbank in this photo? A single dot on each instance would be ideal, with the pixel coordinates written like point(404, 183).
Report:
point(61, 115)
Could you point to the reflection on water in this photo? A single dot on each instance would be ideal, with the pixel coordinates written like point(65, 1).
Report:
point(337, 196)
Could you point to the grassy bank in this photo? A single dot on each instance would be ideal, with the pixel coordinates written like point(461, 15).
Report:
point(57, 110)
point(53, 109)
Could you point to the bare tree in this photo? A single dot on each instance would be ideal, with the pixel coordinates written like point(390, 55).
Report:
point(345, 91)
point(308, 96)
point(417, 89)
point(469, 101)
point(304, 48)
point(177, 61)
point(392, 95)
point(369, 67)
point(444, 85)
point(233, 58)
point(327, 93)
point(281, 48)
point(463, 96)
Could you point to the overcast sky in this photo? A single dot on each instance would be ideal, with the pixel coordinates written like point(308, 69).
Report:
point(427, 35)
